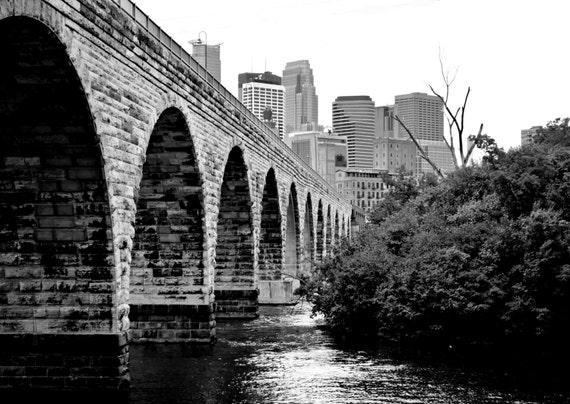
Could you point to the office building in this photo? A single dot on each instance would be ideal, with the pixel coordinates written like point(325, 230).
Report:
point(354, 117)
point(392, 154)
point(527, 135)
point(323, 152)
point(267, 77)
point(384, 122)
point(423, 116)
point(438, 153)
point(266, 101)
point(209, 57)
point(361, 187)
point(301, 101)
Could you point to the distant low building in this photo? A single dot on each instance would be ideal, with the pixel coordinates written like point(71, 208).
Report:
point(361, 187)
point(323, 152)
point(391, 154)
point(527, 135)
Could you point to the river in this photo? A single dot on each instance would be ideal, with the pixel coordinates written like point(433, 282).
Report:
point(286, 356)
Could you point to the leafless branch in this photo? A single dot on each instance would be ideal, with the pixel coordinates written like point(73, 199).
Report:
point(445, 75)
point(420, 148)
point(472, 146)
point(460, 132)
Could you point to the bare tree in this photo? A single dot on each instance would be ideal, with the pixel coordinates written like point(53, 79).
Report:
point(455, 121)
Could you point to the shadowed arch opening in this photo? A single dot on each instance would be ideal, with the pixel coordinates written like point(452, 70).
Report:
point(54, 209)
point(344, 226)
point(308, 238)
point(235, 291)
point(292, 235)
point(320, 232)
point(59, 292)
point(167, 267)
point(353, 224)
point(328, 232)
point(336, 227)
point(270, 240)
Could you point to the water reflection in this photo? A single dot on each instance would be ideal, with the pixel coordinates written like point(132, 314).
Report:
point(284, 357)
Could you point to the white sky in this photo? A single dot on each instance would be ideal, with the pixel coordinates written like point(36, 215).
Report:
point(513, 54)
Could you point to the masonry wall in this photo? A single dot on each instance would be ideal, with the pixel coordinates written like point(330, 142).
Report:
point(120, 242)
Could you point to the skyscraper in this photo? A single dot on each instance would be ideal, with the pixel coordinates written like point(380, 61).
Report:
point(267, 77)
point(266, 101)
point(354, 117)
point(209, 57)
point(422, 114)
point(301, 101)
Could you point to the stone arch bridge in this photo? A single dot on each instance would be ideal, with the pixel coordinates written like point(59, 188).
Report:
point(139, 200)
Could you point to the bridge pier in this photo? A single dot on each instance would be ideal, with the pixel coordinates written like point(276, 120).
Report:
point(76, 362)
point(280, 292)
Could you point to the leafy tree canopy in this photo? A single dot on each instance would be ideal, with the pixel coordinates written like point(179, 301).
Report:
point(482, 256)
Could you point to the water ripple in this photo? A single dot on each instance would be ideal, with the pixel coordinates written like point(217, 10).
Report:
point(284, 358)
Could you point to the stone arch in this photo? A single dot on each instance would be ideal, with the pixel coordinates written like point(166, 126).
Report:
point(344, 226)
point(270, 240)
point(54, 207)
point(168, 249)
point(292, 235)
point(328, 232)
point(58, 263)
point(234, 278)
point(308, 235)
point(320, 232)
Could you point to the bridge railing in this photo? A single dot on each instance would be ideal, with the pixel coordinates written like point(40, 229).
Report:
point(166, 40)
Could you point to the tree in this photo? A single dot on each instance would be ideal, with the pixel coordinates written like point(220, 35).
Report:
point(556, 133)
point(455, 121)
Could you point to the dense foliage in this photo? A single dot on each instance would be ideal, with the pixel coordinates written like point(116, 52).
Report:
point(482, 257)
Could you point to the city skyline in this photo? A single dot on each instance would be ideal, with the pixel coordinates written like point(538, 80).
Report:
point(509, 53)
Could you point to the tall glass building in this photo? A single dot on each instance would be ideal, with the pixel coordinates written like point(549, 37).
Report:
point(354, 117)
point(301, 101)
point(209, 57)
point(266, 102)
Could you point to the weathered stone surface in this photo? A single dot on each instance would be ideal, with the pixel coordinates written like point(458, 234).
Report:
point(134, 195)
